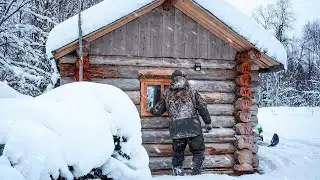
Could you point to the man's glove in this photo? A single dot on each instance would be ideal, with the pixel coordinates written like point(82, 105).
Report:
point(208, 127)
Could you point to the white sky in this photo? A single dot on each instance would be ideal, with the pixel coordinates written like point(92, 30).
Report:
point(306, 10)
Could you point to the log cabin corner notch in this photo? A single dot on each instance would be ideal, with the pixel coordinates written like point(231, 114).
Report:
point(144, 47)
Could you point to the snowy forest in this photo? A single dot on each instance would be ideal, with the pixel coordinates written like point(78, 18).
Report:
point(25, 25)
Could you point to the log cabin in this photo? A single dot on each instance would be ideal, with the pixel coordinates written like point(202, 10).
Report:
point(135, 46)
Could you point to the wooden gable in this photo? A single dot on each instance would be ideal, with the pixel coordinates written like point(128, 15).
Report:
point(161, 33)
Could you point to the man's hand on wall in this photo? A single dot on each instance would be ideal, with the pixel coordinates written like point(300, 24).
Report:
point(208, 128)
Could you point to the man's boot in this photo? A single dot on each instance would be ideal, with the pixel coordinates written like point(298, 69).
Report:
point(178, 171)
point(196, 166)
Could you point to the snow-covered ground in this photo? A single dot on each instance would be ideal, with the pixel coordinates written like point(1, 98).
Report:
point(45, 135)
point(296, 157)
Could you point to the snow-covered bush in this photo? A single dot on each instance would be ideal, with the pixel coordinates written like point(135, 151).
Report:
point(23, 31)
point(8, 92)
point(71, 130)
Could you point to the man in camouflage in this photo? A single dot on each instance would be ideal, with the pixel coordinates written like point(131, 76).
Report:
point(183, 106)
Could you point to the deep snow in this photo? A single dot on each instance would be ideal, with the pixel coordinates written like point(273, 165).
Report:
point(73, 126)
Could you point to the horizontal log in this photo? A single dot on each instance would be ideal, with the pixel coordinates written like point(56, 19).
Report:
point(218, 98)
point(163, 122)
point(163, 62)
point(246, 117)
point(68, 59)
point(109, 71)
point(165, 150)
point(244, 68)
point(204, 171)
point(216, 135)
point(67, 70)
point(243, 116)
point(134, 96)
point(123, 84)
point(223, 121)
point(210, 161)
point(243, 80)
point(244, 142)
point(244, 92)
point(243, 167)
point(244, 156)
point(221, 109)
point(202, 86)
point(132, 72)
point(215, 109)
point(191, 74)
point(213, 86)
point(115, 71)
point(244, 129)
point(243, 104)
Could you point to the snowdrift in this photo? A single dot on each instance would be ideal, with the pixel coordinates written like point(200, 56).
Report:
point(72, 130)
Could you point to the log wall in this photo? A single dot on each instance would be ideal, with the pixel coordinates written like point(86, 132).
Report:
point(161, 42)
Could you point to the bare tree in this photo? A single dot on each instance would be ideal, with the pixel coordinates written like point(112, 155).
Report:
point(277, 17)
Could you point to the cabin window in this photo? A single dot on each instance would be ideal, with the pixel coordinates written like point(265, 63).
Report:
point(151, 92)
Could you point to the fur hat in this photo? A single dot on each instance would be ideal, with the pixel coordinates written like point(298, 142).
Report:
point(176, 73)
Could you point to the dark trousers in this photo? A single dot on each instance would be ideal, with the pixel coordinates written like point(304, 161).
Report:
point(196, 146)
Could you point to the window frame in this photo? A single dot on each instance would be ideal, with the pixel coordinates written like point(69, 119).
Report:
point(144, 83)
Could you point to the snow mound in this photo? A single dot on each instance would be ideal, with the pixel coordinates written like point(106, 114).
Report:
point(74, 126)
point(7, 172)
point(8, 92)
point(247, 28)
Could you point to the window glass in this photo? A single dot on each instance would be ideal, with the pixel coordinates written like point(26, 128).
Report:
point(153, 96)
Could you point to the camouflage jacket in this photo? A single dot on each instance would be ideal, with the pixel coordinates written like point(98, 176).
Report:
point(183, 106)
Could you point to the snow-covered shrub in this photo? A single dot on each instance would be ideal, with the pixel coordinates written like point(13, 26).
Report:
point(23, 62)
point(8, 92)
point(71, 131)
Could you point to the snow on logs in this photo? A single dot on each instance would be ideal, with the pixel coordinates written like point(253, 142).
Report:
point(245, 156)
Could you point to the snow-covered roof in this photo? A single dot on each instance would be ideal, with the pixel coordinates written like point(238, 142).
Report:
point(109, 11)
point(93, 19)
point(247, 28)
